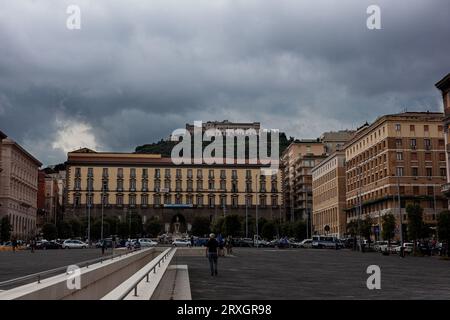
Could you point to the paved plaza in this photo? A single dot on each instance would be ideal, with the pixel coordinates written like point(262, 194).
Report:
point(316, 274)
point(23, 262)
point(270, 274)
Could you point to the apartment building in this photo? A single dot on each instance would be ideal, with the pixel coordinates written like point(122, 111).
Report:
point(153, 186)
point(444, 86)
point(399, 156)
point(19, 186)
point(329, 196)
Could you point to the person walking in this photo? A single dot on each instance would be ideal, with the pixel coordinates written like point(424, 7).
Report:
point(32, 244)
point(14, 245)
point(103, 247)
point(212, 247)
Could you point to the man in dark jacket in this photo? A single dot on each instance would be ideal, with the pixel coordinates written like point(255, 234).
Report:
point(212, 247)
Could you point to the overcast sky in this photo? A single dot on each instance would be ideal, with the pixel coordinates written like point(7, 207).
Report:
point(137, 70)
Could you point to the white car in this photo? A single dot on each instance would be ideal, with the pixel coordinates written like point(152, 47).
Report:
point(74, 244)
point(145, 242)
point(307, 243)
point(181, 243)
point(407, 248)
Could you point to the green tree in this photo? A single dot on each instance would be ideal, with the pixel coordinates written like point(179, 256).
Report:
point(415, 222)
point(365, 227)
point(113, 223)
point(5, 229)
point(96, 229)
point(443, 228)
point(200, 226)
point(50, 232)
point(299, 229)
point(153, 227)
point(231, 225)
point(261, 222)
point(64, 230)
point(122, 230)
point(269, 230)
point(76, 227)
point(389, 224)
point(352, 228)
point(218, 226)
point(286, 229)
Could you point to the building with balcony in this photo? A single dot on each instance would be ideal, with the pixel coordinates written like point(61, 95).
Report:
point(19, 186)
point(152, 186)
point(48, 201)
point(329, 196)
point(399, 156)
point(444, 86)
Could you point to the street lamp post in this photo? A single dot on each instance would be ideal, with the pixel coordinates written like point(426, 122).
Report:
point(256, 203)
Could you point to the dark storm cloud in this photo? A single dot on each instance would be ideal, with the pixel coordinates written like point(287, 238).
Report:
point(139, 69)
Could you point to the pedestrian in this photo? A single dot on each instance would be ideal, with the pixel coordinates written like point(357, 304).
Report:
point(14, 244)
point(192, 241)
point(229, 245)
point(103, 247)
point(212, 247)
point(32, 244)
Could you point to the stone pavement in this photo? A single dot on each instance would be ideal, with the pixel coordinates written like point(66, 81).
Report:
point(266, 273)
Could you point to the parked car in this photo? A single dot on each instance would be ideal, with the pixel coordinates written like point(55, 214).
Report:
point(329, 242)
point(380, 246)
point(244, 242)
point(145, 242)
point(74, 244)
point(53, 244)
point(407, 248)
point(307, 243)
point(181, 243)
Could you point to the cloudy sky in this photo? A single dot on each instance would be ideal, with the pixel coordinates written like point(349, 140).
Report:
point(137, 70)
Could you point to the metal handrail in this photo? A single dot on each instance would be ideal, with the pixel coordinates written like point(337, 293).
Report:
point(39, 275)
point(146, 275)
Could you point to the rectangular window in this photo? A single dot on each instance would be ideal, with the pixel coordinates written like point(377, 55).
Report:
point(120, 172)
point(157, 173)
point(211, 201)
point(234, 202)
point(234, 174)
point(144, 173)
point(412, 127)
point(119, 200)
point(223, 174)
point(199, 174)
point(189, 173)
point(178, 186)
point(429, 172)
point(119, 185)
point(178, 174)
point(133, 173)
point(157, 200)
point(426, 128)
point(133, 185)
point(199, 201)
point(415, 172)
point(398, 143)
point(223, 185)
point(413, 143)
point(427, 143)
point(132, 199)
point(441, 156)
point(443, 172)
point(399, 155)
point(77, 172)
point(427, 156)
point(398, 127)
point(223, 201)
point(90, 172)
point(144, 200)
point(105, 172)
point(144, 185)
point(167, 173)
point(189, 186)
point(413, 156)
point(211, 174)
point(399, 172)
point(211, 185)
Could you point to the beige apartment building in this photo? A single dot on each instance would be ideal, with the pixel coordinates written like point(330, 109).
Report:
point(398, 156)
point(19, 186)
point(444, 86)
point(153, 186)
point(297, 162)
point(329, 196)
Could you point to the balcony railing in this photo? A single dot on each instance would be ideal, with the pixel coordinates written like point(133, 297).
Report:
point(445, 189)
